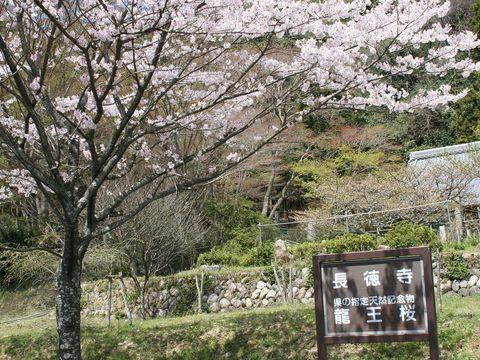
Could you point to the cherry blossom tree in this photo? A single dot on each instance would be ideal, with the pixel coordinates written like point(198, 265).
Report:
point(166, 93)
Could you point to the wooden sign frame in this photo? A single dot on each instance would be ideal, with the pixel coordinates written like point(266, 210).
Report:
point(430, 335)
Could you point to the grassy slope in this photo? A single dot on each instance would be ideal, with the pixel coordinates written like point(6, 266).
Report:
point(26, 301)
point(272, 333)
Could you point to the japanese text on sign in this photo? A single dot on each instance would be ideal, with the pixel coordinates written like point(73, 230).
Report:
point(381, 297)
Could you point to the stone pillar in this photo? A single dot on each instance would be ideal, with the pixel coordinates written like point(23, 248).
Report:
point(459, 224)
point(310, 231)
point(442, 233)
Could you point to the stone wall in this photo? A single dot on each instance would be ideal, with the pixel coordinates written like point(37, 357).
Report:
point(233, 295)
point(467, 287)
point(223, 291)
point(470, 287)
point(177, 295)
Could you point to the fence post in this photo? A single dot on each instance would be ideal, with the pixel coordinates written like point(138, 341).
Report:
point(347, 223)
point(109, 309)
point(439, 282)
point(458, 223)
point(450, 228)
point(259, 233)
point(125, 299)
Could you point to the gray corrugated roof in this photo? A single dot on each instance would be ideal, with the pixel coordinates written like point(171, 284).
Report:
point(443, 151)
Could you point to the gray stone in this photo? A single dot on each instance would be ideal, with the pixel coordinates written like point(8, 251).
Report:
point(271, 294)
point(261, 285)
point(294, 291)
point(215, 307)
point(474, 291)
point(228, 295)
point(299, 282)
point(463, 292)
point(236, 303)
point(451, 294)
point(446, 286)
point(309, 293)
point(473, 280)
point(248, 303)
point(174, 291)
point(210, 267)
point(478, 283)
point(263, 293)
point(224, 303)
point(264, 302)
point(241, 289)
point(305, 272)
point(463, 283)
point(455, 285)
point(256, 294)
point(212, 299)
point(301, 293)
point(231, 287)
point(470, 257)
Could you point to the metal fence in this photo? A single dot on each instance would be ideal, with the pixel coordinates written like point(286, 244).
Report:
point(445, 217)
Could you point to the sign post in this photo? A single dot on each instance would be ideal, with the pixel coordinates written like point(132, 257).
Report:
point(375, 296)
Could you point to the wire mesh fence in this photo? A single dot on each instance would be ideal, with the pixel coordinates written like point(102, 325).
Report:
point(445, 217)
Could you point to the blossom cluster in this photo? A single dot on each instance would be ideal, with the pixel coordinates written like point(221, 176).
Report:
point(167, 83)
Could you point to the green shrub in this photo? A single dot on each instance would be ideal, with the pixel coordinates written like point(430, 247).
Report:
point(306, 250)
point(472, 241)
point(186, 299)
point(236, 224)
point(16, 231)
point(351, 243)
point(261, 255)
point(407, 234)
point(240, 250)
point(228, 254)
point(340, 244)
point(233, 253)
point(269, 275)
point(246, 238)
point(456, 246)
point(229, 219)
point(455, 267)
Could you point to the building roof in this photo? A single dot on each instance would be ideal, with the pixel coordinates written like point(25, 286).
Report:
point(440, 166)
point(444, 151)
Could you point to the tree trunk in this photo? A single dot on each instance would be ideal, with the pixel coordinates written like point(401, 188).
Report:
point(67, 301)
point(268, 192)
point(282, 197)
